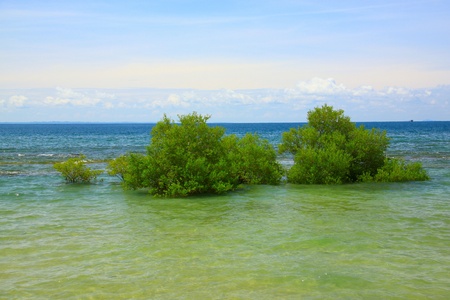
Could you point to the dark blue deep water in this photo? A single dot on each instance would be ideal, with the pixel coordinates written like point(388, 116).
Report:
point(358, 241)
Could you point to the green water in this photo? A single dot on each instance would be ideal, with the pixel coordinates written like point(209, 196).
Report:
point(360, 241)
point(367, 241)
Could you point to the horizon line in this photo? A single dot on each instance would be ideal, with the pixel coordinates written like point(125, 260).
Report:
point(223, 122)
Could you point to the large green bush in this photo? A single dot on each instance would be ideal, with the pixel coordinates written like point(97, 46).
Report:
point(74, 170)
point(332, 149)
point(191, 157)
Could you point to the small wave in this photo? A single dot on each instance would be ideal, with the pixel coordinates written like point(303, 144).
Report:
point(27, 173)
point(46, 154)
point(10, 173)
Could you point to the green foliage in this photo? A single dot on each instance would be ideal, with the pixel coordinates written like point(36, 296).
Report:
point(292, 141)
point(134, 176)
point(368, 151)
point(320, 166)
point(74, 170)
point(397, 170)
point(256, 161)
point(326, 120)
point(331, 149)
point(190, 157)
point(118, 166)
point(182, 156)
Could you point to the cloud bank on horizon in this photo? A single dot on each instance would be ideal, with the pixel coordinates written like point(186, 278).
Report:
point(240, 61)
point(363, 103)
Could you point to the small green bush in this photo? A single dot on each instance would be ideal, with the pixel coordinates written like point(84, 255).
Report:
point(74, 170)
point(118, 166)
point(397, 170)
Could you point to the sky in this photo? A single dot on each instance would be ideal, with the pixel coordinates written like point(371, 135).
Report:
point(238, 61)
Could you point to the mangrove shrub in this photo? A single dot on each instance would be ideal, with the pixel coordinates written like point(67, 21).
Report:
point(191, 157)
point(74, 170)
point(118, 166)
point(331, 149)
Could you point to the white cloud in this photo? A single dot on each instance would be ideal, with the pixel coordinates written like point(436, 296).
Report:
point(232, 97)
point(264, 105)
point(55, 101)
point(14, 101)
point(363, 90)
point(104, 95)
point(66, 96)
point(172, 100)
point(108, 105)
point(176, 100)
point(17, 101)
point(319, 86)
point(398, 91)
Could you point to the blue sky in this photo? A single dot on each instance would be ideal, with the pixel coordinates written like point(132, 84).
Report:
point(240, 61)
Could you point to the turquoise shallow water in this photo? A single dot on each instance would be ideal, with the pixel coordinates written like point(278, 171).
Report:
point(369, 241)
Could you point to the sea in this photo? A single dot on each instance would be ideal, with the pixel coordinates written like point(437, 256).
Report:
point(97, 241)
